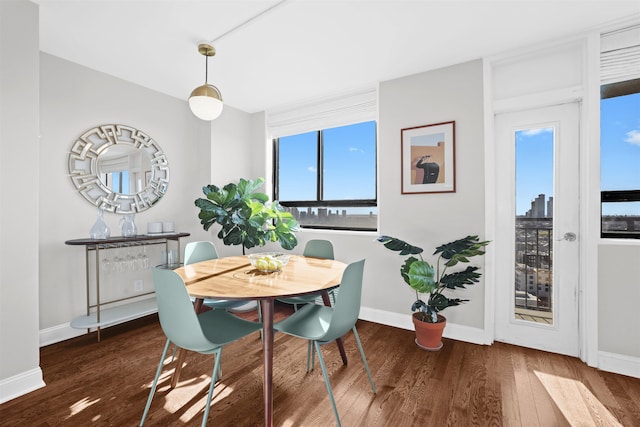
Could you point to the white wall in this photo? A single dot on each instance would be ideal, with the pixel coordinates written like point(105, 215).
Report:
point(428, 220)
point(618, 296)
point(19, 190)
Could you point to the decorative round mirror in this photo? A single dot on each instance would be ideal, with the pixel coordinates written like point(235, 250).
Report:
point(119, 168)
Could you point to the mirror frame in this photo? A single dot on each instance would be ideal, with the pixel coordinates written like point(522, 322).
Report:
point(84, 173)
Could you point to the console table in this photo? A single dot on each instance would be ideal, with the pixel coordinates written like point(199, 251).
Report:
point(99, 316)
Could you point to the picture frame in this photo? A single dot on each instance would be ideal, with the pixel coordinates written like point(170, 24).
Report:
point(428, 161)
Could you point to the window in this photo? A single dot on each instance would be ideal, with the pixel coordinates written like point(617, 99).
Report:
point(620, 159)
point(117, 182)
point(327, 178)
point(620, 133)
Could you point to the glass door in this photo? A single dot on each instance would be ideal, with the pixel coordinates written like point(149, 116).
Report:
point(537, 193)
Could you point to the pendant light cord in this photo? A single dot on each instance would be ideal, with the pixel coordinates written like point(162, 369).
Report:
point(206, 68)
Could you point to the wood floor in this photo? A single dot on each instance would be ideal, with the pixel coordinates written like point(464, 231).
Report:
point(107, 384)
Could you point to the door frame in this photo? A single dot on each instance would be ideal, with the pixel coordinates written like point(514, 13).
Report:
point(562, 336)
point(589, 163)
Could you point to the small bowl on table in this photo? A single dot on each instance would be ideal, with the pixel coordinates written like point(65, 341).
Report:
point(268, 262)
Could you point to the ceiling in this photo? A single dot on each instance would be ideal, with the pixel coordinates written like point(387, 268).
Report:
point(275, 53)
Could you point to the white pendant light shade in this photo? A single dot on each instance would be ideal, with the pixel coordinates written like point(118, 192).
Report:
point(206, 102)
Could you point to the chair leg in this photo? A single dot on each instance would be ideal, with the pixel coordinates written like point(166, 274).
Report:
point(364, 359)
point(216, 367)
point(155, 382)
point(310, 354)
point(326, 381)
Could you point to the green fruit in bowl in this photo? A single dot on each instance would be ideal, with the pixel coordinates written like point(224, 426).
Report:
point(262, 264)
point(268, 263)
point(274, 265)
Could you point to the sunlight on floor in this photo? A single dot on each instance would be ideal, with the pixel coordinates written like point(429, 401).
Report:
point(576, 402)
point(182, 397)
point(80, 406)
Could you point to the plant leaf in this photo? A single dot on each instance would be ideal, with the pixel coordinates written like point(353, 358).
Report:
point(398, 245)
point(248, 187)
point(459, 250)
point(404, 269)
point(422, 277)
point(439, 302)
point(244, 216)
point(460, 278)
point(419, 305)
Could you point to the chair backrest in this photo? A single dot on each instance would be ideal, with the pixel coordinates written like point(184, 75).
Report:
point(319, 248)
point(178, 319)
point(199, 251)
point(347, 307)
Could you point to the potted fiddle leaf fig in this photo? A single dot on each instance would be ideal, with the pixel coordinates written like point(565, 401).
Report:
point(245, 215)
point(432, 281)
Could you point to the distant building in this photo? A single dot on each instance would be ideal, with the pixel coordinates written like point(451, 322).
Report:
point(538, 207)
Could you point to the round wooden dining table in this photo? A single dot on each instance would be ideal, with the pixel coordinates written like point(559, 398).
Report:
point(235, 278)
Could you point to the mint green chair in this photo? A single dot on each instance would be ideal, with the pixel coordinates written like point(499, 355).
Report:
point(321, 325)
point(316, 248)
point(205, 333)
point(204, 251)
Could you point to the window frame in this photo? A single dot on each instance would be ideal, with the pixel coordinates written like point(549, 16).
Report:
point(613, 90)
point(320, 202)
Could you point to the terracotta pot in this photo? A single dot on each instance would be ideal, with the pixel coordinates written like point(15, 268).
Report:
point(429, 335)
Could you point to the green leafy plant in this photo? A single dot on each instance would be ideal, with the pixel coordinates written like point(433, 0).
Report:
point(245, 216)
point(422, 277)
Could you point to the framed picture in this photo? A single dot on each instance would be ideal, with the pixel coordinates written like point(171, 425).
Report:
point(429, 159)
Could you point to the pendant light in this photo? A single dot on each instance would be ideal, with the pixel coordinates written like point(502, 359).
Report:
point(206, 101)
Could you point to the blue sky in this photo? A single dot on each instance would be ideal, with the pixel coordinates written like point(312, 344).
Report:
point(620, 143)
point(534, 167)
point(349, 151)
point(620, 150)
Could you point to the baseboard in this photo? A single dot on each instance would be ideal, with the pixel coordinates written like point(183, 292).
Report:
point(59, 333)
point(64, 332)
point(465, 333)
point(403, 321)
point(619, 364)
point(20, 384)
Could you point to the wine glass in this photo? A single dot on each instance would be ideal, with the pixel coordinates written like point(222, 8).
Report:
point(143, 259)
point(118, 263)
point(106, 265)
point(130, 261)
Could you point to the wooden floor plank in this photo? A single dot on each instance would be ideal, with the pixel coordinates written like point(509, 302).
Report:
point(107, 384)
